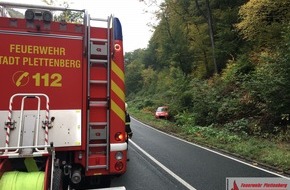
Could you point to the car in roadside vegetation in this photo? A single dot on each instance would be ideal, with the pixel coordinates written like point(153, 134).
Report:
point(162, 112)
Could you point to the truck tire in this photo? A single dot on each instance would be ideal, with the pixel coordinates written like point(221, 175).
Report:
point(56, 183)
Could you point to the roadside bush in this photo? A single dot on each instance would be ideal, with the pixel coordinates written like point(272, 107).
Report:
point(185, 119)
point(141, 103)
point(236, 71)
point(236, 103)
point(229, 110)
point(211, 133)
point(270, 88)
point(240, 126)
point(205, 101)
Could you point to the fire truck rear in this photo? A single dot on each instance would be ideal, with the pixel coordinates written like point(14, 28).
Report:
point(62, 100)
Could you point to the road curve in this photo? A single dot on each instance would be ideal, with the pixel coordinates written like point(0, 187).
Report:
point(160, 161)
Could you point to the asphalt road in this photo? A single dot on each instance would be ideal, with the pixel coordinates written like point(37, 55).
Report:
point(162, 162)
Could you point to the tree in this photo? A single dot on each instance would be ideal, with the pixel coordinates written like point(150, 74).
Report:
point(197, 36)
point(228, 43)
point(133, 74)
point(262, 20)
point(208, 17)
point(67, 15)
point(169, 45)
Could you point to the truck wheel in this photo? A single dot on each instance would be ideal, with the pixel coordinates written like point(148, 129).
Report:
point(56, 183)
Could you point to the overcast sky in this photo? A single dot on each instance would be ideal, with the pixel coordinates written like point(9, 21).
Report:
point(131, 13)
point(134, 20)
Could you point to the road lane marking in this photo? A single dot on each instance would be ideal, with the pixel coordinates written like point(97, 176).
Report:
point(187, 185)
point(226, 156)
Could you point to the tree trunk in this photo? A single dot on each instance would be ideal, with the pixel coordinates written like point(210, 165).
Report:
point(208, 18)
point(211, 33)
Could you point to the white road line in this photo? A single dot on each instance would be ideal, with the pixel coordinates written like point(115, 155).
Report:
point(187, 185)
point(226, 156)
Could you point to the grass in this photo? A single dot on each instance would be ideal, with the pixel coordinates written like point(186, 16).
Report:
point(264, 152)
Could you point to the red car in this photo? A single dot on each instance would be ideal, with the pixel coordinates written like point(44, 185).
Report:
point(162, 112)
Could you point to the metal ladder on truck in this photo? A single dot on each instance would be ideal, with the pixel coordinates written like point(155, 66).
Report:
point(98, 143)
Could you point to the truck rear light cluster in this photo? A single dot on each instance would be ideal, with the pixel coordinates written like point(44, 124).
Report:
point(119, 166)
point(119, 155)
point(119, 136)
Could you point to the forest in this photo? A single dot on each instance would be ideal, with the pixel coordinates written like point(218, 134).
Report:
point(217, 63)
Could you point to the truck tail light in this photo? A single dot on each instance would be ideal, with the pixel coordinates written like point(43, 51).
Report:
point(119, 166)
point(119, 136)
point(119, 155)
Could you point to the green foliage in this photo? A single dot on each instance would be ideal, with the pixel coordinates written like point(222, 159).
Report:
point(68, 15)
point(262, 20)
point(245, 109)
point(185, 119)
point(171, 41)
point(250, 95)
point(269, 87)
point(133, 68)
point(262, 150)
point(227, 41)
point(236, 71)
point(211, 133)
point(239, 126)
point(204, 101)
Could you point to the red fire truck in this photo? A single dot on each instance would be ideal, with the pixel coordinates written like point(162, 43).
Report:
point(62, 100)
